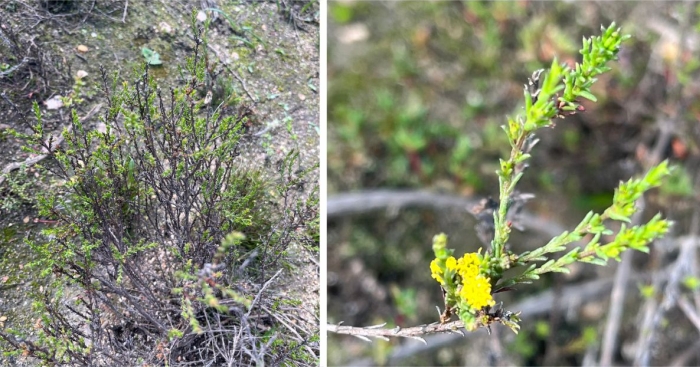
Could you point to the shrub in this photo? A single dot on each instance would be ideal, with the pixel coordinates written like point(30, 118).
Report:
point(164, 245)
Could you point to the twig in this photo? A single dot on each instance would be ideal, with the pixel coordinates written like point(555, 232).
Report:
point(654, 316)
point(572, 297)
point(87, 14)
point(683, 358)
point(83, 59)
point(415, 332)
point(617, 299)
point(290, 328)
point(257, 297)
point(694, 230)
point(356, 203)
point(12, 69)
point(126, 5)
point(367, 201)
point(267, 128)
point(225, 63)
point(689, 312)
point(55, 140)
point(683, 264)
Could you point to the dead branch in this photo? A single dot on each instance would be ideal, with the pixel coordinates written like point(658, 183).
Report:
point(571, 297)
point(347, 204)
point(415, 332)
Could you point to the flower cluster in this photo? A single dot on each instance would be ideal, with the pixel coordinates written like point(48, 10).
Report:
point(475, 287)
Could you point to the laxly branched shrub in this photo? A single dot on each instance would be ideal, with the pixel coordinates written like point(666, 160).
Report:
point(163, 245)
point(469, 282)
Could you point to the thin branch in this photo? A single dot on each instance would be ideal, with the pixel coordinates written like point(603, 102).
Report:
point(126, 5)
point(571, 298)
point(654, 316)
point(224, 61)
point(617, 299)
point(362, 202)
point(356, 203)
point(415, 332)
point(55, 140)
point(689, 312)
point(257, 297)
point(683, 265)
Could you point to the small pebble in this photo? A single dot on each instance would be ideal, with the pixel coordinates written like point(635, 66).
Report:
point(165, 27)
point(82, 48)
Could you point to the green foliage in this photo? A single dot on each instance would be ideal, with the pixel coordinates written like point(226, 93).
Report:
point(647, 291)
point(395, 115)
point(152, 57)
point(523, 344)
point(341, 13)
point(238, 32)
point(405, 300)
point(557, 95)
point(691, 282)
point(19, 191)
point(542, 329)
point(678, 183)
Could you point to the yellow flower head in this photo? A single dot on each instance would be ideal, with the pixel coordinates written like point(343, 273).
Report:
point(476, 288)
point(468, 266)
point(477, 292)
point(436, 271)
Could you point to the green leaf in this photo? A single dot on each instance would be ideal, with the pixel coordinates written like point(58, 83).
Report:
point(657, 173)
point(587, 95)
point(615, 215)
point(594, 260)
point(152, 57)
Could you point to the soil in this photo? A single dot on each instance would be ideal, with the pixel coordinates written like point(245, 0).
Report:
point(272, 49)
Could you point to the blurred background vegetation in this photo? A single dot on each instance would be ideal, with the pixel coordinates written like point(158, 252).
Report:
point(417, 94)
